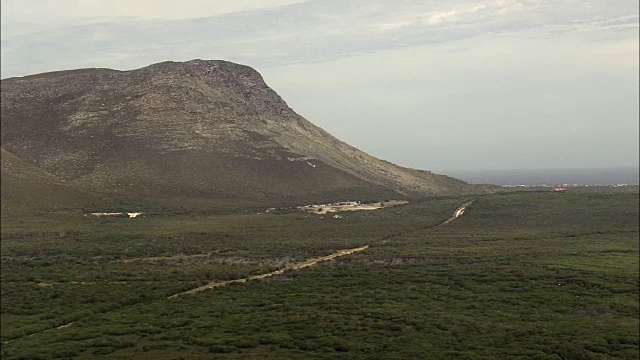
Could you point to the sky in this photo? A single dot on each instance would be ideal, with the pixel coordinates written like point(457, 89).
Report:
point(436, 85)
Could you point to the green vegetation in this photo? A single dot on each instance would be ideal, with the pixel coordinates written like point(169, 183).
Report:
point(533, 275)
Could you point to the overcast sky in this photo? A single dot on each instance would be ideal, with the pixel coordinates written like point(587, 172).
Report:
point(437, 85)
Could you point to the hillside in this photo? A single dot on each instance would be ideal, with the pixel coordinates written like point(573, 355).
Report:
point(25, 186)
point(198, 129)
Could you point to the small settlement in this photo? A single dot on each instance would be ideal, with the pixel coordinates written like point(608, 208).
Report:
point(349, 206)
point(130, 214)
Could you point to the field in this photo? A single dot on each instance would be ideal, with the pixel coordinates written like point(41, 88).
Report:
point(530, 275)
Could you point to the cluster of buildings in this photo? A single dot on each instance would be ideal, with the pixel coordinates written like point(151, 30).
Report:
point(130, 214)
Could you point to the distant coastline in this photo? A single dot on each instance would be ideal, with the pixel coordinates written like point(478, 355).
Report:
point(532, 177)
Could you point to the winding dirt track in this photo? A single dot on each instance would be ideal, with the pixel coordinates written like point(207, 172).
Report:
point(296, 266)
point(459, 211)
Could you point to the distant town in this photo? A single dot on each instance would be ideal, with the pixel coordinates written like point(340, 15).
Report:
point(568, 185)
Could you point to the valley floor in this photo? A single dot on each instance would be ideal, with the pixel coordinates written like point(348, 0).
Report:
point(518, 275)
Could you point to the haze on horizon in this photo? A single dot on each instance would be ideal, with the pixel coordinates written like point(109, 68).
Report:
point(460, 85)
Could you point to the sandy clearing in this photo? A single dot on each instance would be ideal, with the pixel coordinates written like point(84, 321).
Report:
point(349, 206)
point(130, 214)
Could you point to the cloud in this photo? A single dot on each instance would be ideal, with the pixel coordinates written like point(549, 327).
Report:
point(307, 32)
point(140, 9)
point(544, 101)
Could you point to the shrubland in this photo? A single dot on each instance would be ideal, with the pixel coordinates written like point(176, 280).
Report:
point(535, 275)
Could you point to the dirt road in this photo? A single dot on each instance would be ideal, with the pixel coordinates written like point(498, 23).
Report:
point(296, 266)
point(459, 211)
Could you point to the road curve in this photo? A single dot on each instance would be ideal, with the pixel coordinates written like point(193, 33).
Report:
point(456, 214)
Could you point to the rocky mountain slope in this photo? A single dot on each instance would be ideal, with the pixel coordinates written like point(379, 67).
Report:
point(25, 186)
point(197, 129)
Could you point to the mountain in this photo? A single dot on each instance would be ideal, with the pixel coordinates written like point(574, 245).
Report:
point(196, 129)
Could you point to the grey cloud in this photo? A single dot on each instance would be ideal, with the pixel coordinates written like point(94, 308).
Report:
point(314, 31)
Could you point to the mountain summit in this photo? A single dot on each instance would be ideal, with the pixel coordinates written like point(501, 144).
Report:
point(199, 128)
